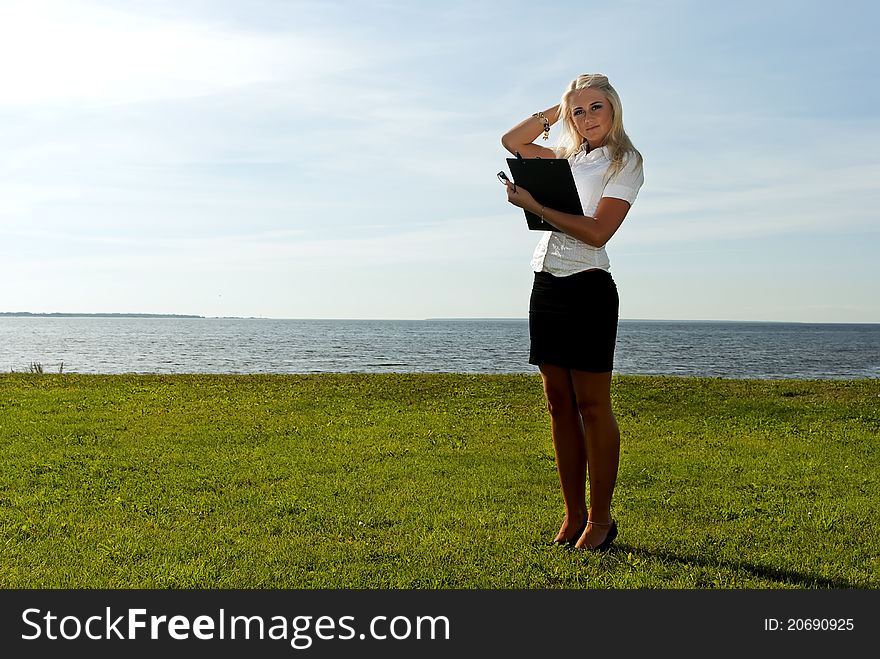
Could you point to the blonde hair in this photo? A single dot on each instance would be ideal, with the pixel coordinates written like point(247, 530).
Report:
point(617, 141)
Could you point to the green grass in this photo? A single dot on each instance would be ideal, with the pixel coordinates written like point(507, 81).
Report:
point(427, 481)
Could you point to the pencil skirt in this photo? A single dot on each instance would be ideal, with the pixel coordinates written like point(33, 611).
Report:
point(573, 320)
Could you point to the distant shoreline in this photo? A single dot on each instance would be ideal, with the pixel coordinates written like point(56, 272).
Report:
point(440, 319)
point(28, 314)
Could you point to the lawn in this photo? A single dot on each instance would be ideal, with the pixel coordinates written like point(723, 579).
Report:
point(428, 481)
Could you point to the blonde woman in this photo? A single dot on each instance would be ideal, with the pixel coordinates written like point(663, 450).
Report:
point(573, 308)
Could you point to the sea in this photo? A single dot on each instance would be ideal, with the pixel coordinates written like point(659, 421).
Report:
point(762, 350)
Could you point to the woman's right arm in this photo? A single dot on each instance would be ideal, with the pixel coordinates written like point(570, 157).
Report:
point(522, 136)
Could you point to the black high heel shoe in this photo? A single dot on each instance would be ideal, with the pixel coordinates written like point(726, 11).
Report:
point(609, 538)
point(573, 539)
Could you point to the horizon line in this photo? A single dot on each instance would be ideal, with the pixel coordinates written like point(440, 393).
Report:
point(63, 314)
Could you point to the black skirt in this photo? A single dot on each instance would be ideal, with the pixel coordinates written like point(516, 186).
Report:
point(573, 320)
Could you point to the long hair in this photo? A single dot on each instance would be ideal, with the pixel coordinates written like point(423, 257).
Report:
point(617, 141)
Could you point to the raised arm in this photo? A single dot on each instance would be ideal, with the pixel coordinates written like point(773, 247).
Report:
point(521, 137)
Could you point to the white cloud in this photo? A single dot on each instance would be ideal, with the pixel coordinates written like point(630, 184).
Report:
point(88, 54)
point(499, 238)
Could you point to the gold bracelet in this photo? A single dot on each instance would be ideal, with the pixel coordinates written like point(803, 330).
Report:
point(540, 115)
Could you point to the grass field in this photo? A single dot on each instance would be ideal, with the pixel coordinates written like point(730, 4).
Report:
point(428, 481)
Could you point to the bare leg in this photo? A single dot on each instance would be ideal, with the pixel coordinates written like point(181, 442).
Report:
point(593, 393)
point(568, 442)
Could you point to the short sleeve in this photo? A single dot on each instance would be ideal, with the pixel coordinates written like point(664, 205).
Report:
point(627, 182)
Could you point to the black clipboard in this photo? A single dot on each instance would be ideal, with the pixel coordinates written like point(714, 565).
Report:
point(551, 183)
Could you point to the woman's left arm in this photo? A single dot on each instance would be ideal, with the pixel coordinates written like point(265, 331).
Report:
point(595, 231)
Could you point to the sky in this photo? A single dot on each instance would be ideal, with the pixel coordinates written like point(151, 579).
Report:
point(337, 159)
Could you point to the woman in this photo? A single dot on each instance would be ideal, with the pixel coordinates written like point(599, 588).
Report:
point(574, 304)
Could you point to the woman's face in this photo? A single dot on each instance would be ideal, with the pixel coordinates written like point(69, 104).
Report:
point(592, 115)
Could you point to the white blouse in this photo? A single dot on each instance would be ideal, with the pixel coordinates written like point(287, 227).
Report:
point(562, 255)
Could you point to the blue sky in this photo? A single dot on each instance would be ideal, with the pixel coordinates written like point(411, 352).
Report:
point(337, 159)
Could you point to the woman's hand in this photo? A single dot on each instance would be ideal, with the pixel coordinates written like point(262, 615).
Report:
point(519, 196)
